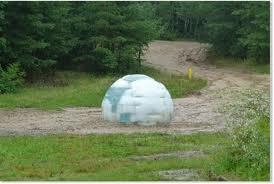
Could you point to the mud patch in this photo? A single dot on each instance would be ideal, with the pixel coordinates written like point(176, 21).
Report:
point(179, 154)
point(180, 175)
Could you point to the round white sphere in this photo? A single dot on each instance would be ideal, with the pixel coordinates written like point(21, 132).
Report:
point(137, 99)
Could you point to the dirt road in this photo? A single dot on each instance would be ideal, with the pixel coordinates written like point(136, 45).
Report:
point(196, 113)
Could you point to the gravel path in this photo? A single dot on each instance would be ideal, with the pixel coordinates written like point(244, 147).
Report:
point(195, 113)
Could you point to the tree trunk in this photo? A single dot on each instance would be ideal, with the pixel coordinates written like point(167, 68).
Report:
point(185, 27)
point(196, 27)
point(139, 56)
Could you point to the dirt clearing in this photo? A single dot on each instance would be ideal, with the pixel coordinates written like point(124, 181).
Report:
point(195, 113)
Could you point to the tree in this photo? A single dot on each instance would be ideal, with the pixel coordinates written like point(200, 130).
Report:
point(37, 34)
point(112, 37)
point(235, 29)
point(3, 41)
point(255, 28)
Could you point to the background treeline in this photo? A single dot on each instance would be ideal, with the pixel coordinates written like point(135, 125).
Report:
point(111, 36)
point(94, 36)
point(237, 29)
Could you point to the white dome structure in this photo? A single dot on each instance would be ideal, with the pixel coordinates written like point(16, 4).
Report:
point(137, 99)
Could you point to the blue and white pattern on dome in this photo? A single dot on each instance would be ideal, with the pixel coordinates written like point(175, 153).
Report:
point(137, 99)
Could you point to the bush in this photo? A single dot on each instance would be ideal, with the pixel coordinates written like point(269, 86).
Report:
point(248, 153)
point(168, 35)
point(11, 79)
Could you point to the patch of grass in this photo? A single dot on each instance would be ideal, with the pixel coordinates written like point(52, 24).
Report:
point(108, 157)
point(83, 89)
point(99, 157)
point(178, 86)
point(243, 65)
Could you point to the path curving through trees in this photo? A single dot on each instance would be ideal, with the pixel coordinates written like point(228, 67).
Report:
point(195, 113)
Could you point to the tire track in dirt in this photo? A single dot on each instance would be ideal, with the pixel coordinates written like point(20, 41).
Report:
point(195, 113)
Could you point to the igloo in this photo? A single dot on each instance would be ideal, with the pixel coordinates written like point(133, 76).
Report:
point(137, 99)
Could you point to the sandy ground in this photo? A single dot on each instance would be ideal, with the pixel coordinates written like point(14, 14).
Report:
point(195, 113)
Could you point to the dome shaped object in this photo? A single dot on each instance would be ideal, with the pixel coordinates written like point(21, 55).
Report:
point(137, 99)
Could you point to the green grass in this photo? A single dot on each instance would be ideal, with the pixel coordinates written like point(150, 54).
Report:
point(108, 157)
point(83, 89)
point(100, 157)
point(242, 65)
point(178, 86)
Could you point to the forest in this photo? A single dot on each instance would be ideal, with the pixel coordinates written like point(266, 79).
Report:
point(37, 38)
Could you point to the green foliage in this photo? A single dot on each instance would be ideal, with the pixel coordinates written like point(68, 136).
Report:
point(247, 155)
point(254, 33)
point(110, 37)
point(237, 29)
point(251, 150)
point(3, 41)
point(241, 30)
point(35, 37)
point(42, 36)
point(105, 58)
point(11, 79)
point(116, 40)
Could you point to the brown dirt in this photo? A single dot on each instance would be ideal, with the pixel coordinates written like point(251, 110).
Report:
point(181, 175)
point(195, 113)
point(178, 154)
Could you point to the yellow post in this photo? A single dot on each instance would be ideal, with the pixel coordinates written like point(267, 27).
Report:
point(189, 73)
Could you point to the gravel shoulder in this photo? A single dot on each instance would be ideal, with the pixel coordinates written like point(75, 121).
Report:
point(195, 113)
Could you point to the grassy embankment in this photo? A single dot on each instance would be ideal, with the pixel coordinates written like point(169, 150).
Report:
point(238, 64)
point(81, 89)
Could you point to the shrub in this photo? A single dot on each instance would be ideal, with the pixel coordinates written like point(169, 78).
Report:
point(247, 154)
point(168, 36)
point(11, 79)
